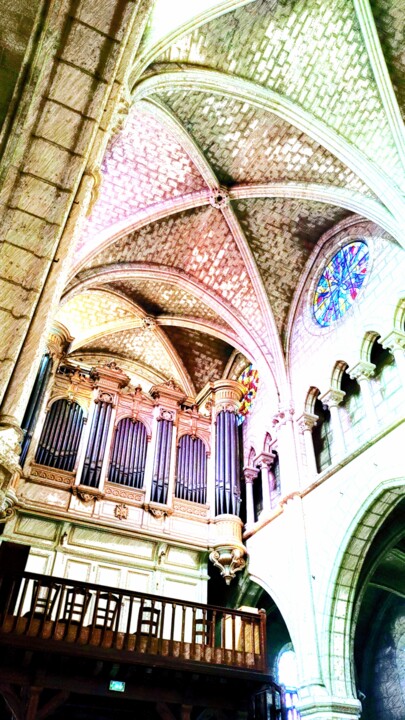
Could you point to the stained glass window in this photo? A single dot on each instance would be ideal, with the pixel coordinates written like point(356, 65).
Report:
point(249, 379)
point(340, 282)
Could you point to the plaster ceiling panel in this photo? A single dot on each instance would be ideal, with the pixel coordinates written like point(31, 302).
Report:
point(143, 165)
point(244, 144)
point(310, 51)
point(389, 16)
point(159, 298)
point(17, 21)
point(204, 356)
point(199, 243)
point(90, 310)
point(282, 234)
point(139, 345)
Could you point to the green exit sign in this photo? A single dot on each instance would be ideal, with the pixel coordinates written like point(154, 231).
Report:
point(117, 686)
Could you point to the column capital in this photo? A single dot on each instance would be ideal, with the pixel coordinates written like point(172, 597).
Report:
point(363, 370)
point(332, 397)
point(395, 340)
point(283, 416)
point(306, 422)
point(227, 395)
point(250, 474)
point(58, 341)
point(266, 459)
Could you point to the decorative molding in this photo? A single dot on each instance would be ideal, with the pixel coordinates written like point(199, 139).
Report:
point(191, 509)
point(113, 491)
point(332, 397)
point(306, 422)
point(219, 197)
point(229, 561)
point(363, 370)
point(158, 510)
point(87, 494)
point(395, 340)
point(121, 511)
point(282, 417)
point(51, 476)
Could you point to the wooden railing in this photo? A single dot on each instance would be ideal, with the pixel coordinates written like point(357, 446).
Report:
point(66, 615)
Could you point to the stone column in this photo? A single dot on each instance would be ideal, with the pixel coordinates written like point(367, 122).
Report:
point(265, 462)
point(250, 474)
point(306, 423)
point(362, 372)
point(289, 476)
point(332, 398)
point(395, 342)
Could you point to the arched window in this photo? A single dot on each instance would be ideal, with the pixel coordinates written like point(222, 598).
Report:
point(386, 383)
point(60, 435)
point(258, 495)
point(351, 412)
point(287, 677)
point(128, 456)
point(322, 437)
point(191, 480)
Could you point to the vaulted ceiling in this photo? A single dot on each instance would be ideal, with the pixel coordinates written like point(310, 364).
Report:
point(247, 130)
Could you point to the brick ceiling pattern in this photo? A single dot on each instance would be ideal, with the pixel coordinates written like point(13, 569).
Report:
point(159, 298)
point(281, 234)
point(90, 310)
point(204, 356)
point(199, 243)
point(244, 144)
point(139, 345)
point(311, 52)
point(143, 165)
point(389, 16)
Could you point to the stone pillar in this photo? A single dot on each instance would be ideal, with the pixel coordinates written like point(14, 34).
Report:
point(289, 476)
point(306, 423)
point(250, 474)
point(265, 462)
point(395, 342)
point(332, 398)
point(362, 372)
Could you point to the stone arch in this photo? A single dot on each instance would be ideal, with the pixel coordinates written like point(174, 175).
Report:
point(337, 374)
point(312, 396)
point(360, 535)
point(367, 343)
point(251, 457)
point(399, 316)
point(268, 441)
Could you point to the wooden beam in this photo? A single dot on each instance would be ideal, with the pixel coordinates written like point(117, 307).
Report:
point(164, 712)
point(186, 712)
point(58, 699)
point(12, 701)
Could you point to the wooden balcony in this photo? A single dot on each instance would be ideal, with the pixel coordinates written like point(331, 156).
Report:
point(79, 618)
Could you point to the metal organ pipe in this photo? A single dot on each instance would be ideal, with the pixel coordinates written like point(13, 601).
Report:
point(128, 456)
point(227, 464)
point(96, 444)
point(60, 435)
point(191, 470)
point(34, 404)
point(160, 480)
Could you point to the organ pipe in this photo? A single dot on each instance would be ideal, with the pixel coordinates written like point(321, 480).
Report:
point(128, 457)
point(160, 479)
point(227, 481)
point(96, 444)
point(60, 435)
point(34, 404)
point(191, 481)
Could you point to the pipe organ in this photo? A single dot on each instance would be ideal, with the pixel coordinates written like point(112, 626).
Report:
point(60, 436)
point(109, 442)
point(128, 455)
